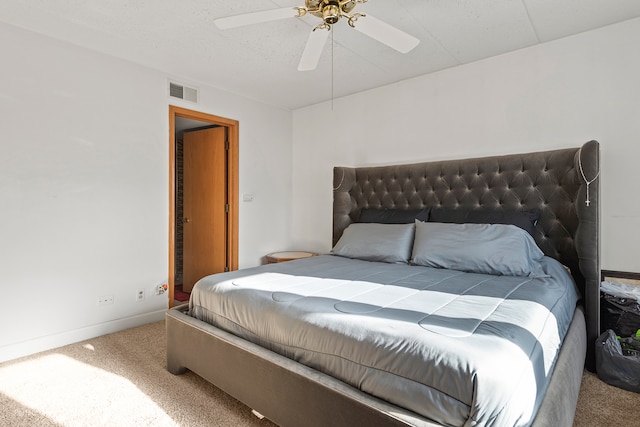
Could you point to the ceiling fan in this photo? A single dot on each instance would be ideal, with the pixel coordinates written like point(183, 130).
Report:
point(330, 12)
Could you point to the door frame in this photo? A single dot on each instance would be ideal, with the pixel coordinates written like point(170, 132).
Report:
point(232, 186)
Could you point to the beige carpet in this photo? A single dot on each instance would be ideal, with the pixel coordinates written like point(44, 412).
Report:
point(120, 380)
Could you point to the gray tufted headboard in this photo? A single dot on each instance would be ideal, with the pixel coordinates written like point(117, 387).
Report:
point(552, 181)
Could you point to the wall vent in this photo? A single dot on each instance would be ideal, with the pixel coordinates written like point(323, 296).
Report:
point(179, 91)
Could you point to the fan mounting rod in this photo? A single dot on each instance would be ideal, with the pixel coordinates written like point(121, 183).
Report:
point(330, 11)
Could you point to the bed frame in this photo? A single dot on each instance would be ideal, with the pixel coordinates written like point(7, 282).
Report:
point(562, 184)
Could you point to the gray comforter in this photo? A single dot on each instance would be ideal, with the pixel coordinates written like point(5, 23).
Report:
point(461, 349)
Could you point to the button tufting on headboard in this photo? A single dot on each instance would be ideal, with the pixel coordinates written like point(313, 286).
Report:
point(551, 181)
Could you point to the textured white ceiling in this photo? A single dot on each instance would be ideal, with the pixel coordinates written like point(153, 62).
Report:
point(260, 61)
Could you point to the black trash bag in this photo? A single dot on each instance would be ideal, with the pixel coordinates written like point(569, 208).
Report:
point(613, 367)
point(620, 314)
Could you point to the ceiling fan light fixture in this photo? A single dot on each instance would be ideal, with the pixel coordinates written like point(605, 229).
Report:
point(331, 12)
point(347, 6)
point(313, 4)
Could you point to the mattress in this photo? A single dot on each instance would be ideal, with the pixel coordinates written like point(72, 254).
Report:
point(459, 348)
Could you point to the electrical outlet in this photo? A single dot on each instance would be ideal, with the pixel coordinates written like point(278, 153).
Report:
point(140, 295)
point(162, 288)
point(105, 299)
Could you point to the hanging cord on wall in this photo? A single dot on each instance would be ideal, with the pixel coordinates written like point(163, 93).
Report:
point(587, 182)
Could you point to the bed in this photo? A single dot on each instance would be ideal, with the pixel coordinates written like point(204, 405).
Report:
point(319, 380)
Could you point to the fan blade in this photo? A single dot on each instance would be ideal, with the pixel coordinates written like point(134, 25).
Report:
point(255, 17)
point(313, 49)
point(386, 34)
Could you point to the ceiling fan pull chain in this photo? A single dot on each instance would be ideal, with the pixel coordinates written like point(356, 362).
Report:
point(332, 68)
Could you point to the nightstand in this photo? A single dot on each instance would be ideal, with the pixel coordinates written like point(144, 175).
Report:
point(275, 257)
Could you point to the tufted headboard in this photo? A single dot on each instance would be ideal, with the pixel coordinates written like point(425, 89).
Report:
point(555, 182)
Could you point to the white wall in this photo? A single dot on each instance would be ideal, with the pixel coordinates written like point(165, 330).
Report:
point(84, 189)
point(556, 95)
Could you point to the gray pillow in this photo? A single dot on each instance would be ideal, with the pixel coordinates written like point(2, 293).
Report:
point(526, 220)
point(480, 248)
point(376, 242)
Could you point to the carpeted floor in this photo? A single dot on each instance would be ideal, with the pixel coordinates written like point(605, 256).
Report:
point(120, 380)
point(114, 380)
point(602, 405)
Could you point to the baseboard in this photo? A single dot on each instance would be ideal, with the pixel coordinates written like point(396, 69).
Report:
point(37, 345)
point(626, 277)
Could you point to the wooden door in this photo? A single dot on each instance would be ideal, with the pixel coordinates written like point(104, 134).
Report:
point(204, 205)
